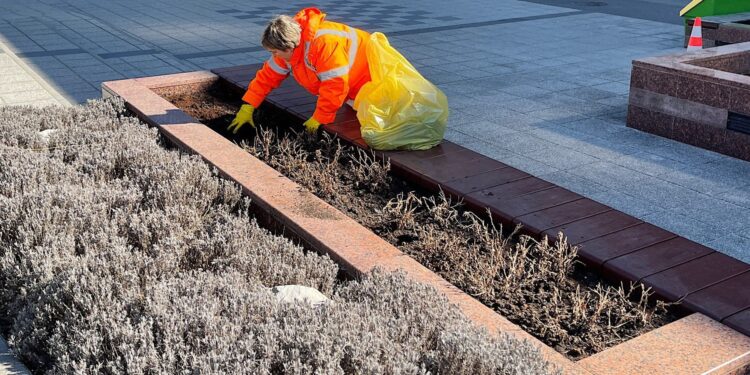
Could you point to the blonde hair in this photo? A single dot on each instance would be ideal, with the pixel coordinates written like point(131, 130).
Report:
point(282, 33)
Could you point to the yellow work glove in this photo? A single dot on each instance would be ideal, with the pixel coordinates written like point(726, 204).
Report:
point(244, 116)
point(311, 125)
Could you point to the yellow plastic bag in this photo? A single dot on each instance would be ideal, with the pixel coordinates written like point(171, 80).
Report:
point(399, 109)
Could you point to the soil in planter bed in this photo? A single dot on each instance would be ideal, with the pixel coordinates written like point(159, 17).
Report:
point(216, 105)
point(538, 286)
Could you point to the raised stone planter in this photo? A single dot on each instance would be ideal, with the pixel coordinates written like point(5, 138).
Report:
point(700, 98)
point(358, 250)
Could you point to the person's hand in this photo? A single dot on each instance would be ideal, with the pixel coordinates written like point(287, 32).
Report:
point(311, 125)
point(244, 116)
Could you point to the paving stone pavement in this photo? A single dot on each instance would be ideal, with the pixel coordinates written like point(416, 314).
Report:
point(22, 85)
point(9, 364)
point(543, 88)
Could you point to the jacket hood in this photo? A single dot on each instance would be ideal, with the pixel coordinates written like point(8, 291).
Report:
point(309, 19)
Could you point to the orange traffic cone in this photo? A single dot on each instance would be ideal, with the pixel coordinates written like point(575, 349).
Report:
point(696, 36)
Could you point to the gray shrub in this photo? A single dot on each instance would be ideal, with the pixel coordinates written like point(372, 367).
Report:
point(120, 256)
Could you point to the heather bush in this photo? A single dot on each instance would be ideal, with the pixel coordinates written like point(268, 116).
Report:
point(118, 256)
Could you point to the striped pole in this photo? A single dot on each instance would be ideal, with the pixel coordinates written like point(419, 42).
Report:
point(696, 36)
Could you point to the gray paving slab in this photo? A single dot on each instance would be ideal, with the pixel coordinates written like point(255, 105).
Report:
point(558, 114)
point(524, 105)
point(686, 153)
point(617, 88)
point(738, 196)
point(8, 79)
point(17, 87)
point(562, 158)
point(562, 136)
point(490, 111)
point(524, 91)
point(732, 245)
point(700, 231)
point(589, 93)
point(662, 11)
point(557, 99)
point(461, 138)
point(720, 213)
point(629, 204)
point(486, 130)
point(523, 143)
point(555, 85)
point(489, 149)
point(21, 85)
point(665, 193)
point(9, 364)
point(597, 127)
point(608, 174)
point(460, 116)
point(575, 183)
point(707, 178)
point(529, 165)
point(650, 164)
point(606, 149)
point(482, 97)
point(619, 100)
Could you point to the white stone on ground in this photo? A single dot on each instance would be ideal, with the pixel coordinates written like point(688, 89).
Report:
point(45, 134)
point(299, 293)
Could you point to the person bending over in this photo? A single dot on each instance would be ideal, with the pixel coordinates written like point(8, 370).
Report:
point(326, 58)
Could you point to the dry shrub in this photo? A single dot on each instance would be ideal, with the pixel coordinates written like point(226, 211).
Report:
point(537, 285)
point(531, 282)
point(324, 166)
point(117, 256)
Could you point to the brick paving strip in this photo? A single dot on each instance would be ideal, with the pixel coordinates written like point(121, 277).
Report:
point(669, 349)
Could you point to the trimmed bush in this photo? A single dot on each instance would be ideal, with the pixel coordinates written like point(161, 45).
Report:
point(118, 256)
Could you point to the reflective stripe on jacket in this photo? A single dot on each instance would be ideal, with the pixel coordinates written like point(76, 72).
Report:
point(330, 62)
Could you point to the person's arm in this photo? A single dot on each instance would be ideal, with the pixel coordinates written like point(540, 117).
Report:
point(268, 78)
point(332, 66)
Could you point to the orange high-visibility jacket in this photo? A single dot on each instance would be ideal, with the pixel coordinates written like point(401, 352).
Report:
point(330, 62)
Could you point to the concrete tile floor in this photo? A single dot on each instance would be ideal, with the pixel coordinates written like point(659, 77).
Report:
point(10, 365)
point(537, 86)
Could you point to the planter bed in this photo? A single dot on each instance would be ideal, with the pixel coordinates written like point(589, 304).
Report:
point(357, 251)
point(118, 256)
point(619, 246)
point(535, 285)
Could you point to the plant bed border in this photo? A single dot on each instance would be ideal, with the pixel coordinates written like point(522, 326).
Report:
point(360, 250)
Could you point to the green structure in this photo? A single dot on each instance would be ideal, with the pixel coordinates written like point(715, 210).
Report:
point(704, 8)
